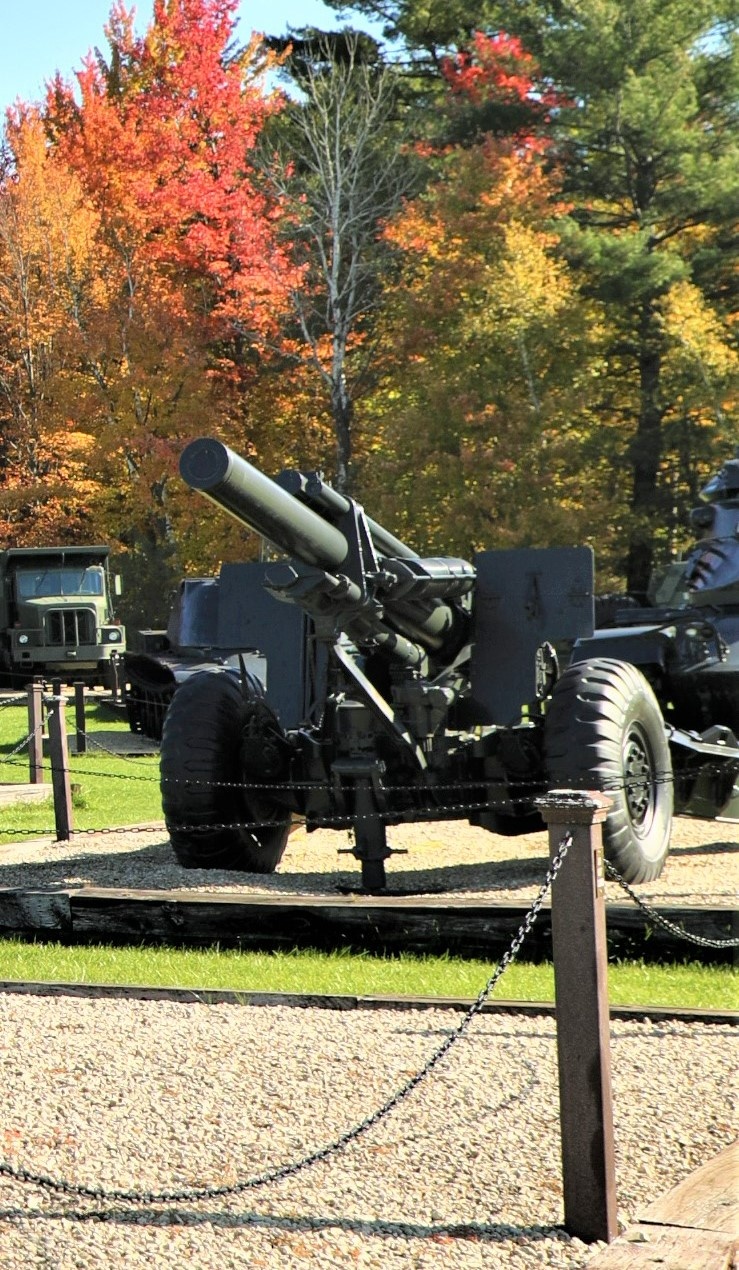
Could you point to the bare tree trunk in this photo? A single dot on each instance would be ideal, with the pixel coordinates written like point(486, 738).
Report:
point(646, 452)
point(341, 171)
point(342, 410)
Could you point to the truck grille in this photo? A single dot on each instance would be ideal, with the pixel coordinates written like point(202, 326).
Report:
point(70, 627)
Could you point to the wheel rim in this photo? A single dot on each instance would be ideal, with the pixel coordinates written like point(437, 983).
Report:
point(638, 768)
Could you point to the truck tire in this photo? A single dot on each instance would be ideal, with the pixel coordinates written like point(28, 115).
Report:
point(201, 742)
point(604, 730)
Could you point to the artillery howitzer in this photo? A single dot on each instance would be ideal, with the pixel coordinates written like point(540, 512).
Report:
point(395, 689)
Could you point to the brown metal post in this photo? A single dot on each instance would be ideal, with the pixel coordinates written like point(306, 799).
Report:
point(59, 758)
point(581, 993)
point(35, 734)
point(79, 717)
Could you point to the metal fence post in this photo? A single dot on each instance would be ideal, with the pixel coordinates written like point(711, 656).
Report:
point(35, 734)
point(581, 994)
point(59, 758)
point(115, 685)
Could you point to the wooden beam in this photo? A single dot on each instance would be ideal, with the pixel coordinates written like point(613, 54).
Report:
point(464, 927)
point(707, 1200)
point(660, 1248)
point(35, 734)
point(696, 1224)
point(339, 1001)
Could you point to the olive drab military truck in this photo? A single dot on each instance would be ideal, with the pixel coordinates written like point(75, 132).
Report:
point(56, 615)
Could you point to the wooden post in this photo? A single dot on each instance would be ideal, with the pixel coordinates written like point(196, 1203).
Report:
point(581, 996)
point(35, 734)
point(79, 717)
point(114, 682)
point(59, 758)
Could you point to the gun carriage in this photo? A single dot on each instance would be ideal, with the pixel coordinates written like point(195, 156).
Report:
point(377, 687)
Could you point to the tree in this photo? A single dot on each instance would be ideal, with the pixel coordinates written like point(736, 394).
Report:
point(651, 170)
point(481, 422)
point(337, 165)
point(653, 163)
point(48, 265)
point(162, 143)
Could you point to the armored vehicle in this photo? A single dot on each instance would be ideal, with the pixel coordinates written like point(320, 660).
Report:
point(209, 630)
point(397, 688)
point(160, 661)
point(685, 642)
point(56, 615)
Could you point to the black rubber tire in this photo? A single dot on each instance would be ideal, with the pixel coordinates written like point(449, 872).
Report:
point(201, 742)
point(604, 730)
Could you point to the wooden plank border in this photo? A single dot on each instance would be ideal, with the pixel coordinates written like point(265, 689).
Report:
point(694, 1224)
point(417, 924)
point(339, 1001)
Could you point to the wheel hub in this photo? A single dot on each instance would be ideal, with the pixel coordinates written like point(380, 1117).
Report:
point(638, 779)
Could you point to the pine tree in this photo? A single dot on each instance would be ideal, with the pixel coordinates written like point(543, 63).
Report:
point(650, 152)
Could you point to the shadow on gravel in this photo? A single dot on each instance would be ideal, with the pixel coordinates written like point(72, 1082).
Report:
point(706, 848)
point(153, 868)
point(484, 1232)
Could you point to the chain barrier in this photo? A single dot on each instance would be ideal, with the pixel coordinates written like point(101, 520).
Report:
point(660, 920)
point(455, 810)
point(24, 743)
point(83, 771)
point(330, 1149)
point(527, 787)
point(126, 758)
point(14, 701)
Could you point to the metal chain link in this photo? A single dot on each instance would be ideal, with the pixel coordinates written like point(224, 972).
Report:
point(126, 758)
point(22, 744)
point(660, 920)
point(88, 771)
point(14, 701)
point(189, 1194)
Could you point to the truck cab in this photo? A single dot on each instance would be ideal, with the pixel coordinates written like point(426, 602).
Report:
point(57, 617)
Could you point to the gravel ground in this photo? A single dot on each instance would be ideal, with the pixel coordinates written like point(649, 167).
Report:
point(448, 857)
point(464, 1174)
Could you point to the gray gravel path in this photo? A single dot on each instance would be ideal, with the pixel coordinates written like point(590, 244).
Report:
point(464, 1174)
point(448, 857)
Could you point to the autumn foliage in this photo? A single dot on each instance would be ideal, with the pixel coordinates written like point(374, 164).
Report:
point(551, 298)
point(142, 280)
point(497, 77)
point(490, 387)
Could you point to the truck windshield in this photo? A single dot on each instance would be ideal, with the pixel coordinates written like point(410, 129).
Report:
point(68, 581)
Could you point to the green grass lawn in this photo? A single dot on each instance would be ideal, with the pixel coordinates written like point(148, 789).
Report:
point(630, 983)
point(117, 791)
point(108, 790)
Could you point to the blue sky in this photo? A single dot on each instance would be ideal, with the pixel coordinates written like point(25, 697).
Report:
point(39, 37)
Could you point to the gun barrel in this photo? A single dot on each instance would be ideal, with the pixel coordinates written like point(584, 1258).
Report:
point(309, 487)
point(410, 591)
point(233, 484)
